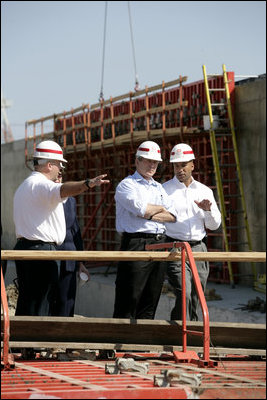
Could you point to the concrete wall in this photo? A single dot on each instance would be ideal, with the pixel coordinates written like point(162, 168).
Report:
point(251, 139)
point(13, 172)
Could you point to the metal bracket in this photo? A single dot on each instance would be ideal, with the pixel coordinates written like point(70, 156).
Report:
point(126, 364)
point(174, 377)
point(175, 249)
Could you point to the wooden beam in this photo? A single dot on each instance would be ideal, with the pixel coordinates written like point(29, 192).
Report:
point(126, 331)
point(107, 102)
point(130, 256)
point(122, 347)
point(122, 139)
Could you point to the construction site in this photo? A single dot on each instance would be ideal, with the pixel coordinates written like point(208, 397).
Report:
point(93, 355)
point(150, 359)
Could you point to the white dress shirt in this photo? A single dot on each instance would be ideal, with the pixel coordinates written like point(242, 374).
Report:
point(38, 210)
point(191, 220)
point(132, 196)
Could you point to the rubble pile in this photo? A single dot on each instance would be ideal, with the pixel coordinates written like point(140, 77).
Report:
point(257, 304)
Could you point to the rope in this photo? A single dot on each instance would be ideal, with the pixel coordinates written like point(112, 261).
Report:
point(132, 40)
point(101, 95)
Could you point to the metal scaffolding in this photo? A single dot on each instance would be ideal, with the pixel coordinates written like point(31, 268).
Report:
point(103, 137)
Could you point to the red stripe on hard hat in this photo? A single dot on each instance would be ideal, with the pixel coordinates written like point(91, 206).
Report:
point(49, 151)
point(188, 152)
point(146, 149)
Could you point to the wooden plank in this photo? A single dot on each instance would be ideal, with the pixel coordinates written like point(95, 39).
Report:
point(125, 331)
point(122, 347)
point(122, 139)
point(107, 102)
point(129, 255)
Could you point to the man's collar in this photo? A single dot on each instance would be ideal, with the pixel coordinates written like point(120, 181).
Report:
point(181, 183)
point(139, 177)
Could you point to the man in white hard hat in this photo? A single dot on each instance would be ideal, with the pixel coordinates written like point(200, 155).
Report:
point(196, 210)
point(142, 207)
point(40, 225)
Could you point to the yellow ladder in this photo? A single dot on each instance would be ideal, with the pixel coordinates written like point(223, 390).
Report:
point(216, 163)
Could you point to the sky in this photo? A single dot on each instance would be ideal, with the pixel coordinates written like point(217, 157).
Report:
point(52, 51)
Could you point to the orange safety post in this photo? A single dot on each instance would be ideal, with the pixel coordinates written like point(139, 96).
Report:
point(8, 361)
point(190, 356)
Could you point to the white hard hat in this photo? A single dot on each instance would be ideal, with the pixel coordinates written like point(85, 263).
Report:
point(150, 150)
point(182, 153)
point(50, 150)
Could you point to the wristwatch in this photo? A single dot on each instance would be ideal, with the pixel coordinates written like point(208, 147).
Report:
point(87, 182)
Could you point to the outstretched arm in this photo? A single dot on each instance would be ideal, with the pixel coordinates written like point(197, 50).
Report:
point(75, 188)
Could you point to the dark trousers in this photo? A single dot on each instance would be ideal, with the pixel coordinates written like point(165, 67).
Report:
point(3, 265)
point(66, 292)
point(138, 283)
point(174, 273)
point(37, 281)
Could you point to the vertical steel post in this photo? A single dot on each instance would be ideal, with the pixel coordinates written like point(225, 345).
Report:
point(64, 131)
point(181, 108)
point(131, 120)
point(112, 123)
point(147, 115)
point(73, 130)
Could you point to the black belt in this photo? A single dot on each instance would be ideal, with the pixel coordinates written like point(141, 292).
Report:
point(191, 242)
point(156, 236)
point(22, 239)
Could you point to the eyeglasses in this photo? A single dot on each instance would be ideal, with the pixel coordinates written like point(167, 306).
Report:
point(60, 165)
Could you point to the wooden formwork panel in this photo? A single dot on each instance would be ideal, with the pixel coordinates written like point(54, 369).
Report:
point(125, 331)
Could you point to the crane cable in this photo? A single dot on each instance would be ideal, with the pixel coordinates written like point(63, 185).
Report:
point(133, 49)
point(101, 95)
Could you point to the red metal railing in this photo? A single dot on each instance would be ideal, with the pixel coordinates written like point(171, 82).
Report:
point(7, 358)
point(185, 355)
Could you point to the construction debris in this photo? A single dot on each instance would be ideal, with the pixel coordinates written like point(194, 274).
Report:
point(257, 304)
point(210, 295)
